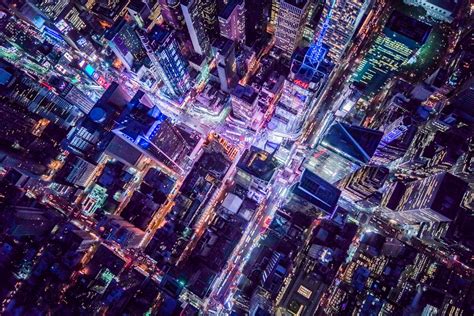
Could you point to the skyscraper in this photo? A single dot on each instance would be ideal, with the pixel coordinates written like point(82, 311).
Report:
point(209, 11)
point(290, 112)
point(343, 149)
point(291, 19)
point(401, 37)
point(195, 25)
point(52, 8)
point(275, 7)
point(256, 19)
point(364, 182)
point(463, 99)
point(396, 141)
point(232, 20)
point(317, 191)
point(224, 50)
point(168, 64)
point(433, 199)
point(299, 91)
point(314, 16)
point(345, 18)
point(125, 43)
point(43, 101)
point(143, 126)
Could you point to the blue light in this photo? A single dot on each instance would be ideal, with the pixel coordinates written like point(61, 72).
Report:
point(52, 33)
point(143, 143)
point(316, 52)
point(89, 70)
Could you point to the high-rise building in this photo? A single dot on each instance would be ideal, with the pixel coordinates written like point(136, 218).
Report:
point(127, 46)
point(256, 170)
point(464, 168)
point(172, 14)
point(232, 20)
point(72, 94)
point(290, 23)
point(433, 199)
point(89, 138)
point(114, 227)
point(108, 11)
point(209, 11)
point(317, 191)
point(143, 126)
point(343, 149)
point(363, 183)
point(43, 101)
point(195, 25)
point(244, 103)
point(401, 37)
point(168, 63)
point(76, 171)
point(52, 8)
point(32, 221)
point(256, 20)
point(345, 18)
point(224, 50)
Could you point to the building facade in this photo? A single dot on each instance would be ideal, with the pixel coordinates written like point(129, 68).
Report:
point(290, 23)
point(345, 18)
point(168, 63)
point(194, 23)
point(232, 20)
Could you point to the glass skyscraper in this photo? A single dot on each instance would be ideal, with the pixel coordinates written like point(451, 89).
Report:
point(168, 62)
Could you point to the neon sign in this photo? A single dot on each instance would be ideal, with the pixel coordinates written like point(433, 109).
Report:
point(302, 84)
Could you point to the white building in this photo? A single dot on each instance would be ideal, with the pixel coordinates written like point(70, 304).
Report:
point(443, 10)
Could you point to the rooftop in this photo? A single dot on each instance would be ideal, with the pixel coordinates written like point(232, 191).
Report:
point(158, 36)
point(317, 191)
point(449, 5)
point(351, 141)
point(223, 45)
point(258, 163)
point(409, 27)
point(227, 11)
point(297, 3)
point(245, 93)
